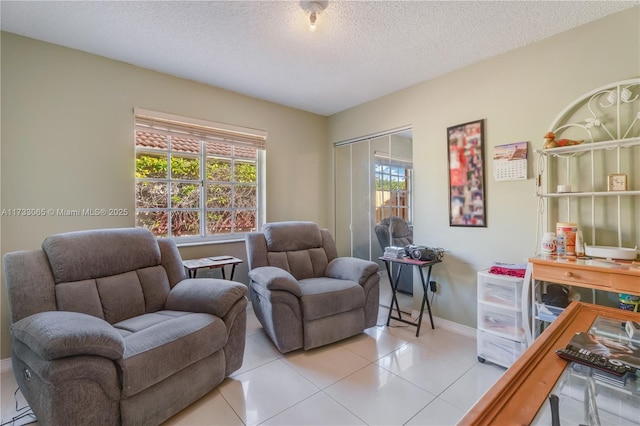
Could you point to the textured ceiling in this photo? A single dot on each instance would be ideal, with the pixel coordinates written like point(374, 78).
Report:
point(359, 51)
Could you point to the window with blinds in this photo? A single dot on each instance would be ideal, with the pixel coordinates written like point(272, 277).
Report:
point(197, 180)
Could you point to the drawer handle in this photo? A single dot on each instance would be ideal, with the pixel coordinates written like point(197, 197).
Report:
point(567, 274)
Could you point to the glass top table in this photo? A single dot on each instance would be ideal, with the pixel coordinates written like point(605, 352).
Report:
point(587, 397)
point(522, 394)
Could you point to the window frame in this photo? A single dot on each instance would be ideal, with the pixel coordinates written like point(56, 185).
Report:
point(393, 209)
point(204, 131)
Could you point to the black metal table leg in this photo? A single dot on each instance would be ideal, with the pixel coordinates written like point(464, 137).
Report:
point(394, 289)
point(425, 299)
point(395, 282)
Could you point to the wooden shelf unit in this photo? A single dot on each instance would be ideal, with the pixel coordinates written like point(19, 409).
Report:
point(608, 120)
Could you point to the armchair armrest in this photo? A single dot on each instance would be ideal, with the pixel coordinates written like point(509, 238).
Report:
point(351, 268)
point(273, 278)
point(205, 295)
point(59, 334)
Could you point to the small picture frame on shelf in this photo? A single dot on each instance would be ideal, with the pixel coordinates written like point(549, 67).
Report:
point(617, 182)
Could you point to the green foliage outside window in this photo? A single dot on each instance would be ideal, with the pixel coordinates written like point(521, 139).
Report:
point(245, 172)
point(187, 168)
point(387, 185)
point(155, 166)
point(219, 177)
point(151, 166)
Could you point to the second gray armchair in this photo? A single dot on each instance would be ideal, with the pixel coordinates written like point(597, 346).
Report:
point(302, 293)
point(394, 231)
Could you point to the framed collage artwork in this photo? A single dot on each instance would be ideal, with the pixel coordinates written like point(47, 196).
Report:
point(467, 194)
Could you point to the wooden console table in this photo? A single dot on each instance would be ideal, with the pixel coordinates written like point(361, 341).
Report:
point(518, 395)
point(596, 274)
point(599, 274)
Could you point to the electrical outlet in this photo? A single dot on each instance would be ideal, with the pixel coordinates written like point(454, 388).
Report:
point(434, 286)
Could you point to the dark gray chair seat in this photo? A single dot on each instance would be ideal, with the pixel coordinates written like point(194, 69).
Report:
point(322, 297)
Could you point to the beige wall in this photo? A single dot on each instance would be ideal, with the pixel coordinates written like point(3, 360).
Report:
point(518, 94)
point(67, 142)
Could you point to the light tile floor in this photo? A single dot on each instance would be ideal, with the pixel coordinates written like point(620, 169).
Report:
point(385, 376)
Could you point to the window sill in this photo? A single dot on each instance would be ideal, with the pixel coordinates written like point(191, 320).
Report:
point(209, 242)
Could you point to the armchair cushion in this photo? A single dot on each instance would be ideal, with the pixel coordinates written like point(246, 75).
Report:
point(273, 278)
point(59, 334)
point(301, 263)
point(323, 297)
point(164, 343)
point(394, 231)
point(351, 268)
point(80, 255)
point(206, 295)
point(291, 236)
point(400, 229)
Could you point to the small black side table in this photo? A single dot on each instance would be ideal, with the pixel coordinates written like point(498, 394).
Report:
point(192, 265)
point(421, 264)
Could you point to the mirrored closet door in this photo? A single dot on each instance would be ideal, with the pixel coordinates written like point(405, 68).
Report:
point(374, 181)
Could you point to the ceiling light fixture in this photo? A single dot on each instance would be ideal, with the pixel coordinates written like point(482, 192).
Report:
point(313, 9)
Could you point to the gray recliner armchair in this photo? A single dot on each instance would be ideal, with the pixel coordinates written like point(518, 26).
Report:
point(394, 231)
point(107, 329)
point(302, 293)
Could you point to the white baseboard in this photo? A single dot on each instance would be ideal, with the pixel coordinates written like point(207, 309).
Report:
point(451, 326)
point(5, 365)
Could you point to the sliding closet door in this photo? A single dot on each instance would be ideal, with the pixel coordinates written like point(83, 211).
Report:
point(372, 183)
point(380, 191)
point(353, 199)
point(343, 199)
point(361, 181)
point(401, 173)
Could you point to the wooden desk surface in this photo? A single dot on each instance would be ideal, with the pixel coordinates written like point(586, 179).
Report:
point(627, 267)
point(518, 395)
point(616, 276)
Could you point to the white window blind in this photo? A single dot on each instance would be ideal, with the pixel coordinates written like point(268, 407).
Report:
point(176, 125)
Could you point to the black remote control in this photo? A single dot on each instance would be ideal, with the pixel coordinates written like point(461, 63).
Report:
point(590, 359)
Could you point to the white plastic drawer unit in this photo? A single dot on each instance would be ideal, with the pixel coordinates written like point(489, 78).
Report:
point(500, 351)
point(504, 322)
point(500, 289)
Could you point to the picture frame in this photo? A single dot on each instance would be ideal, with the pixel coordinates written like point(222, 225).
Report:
point(467, 190)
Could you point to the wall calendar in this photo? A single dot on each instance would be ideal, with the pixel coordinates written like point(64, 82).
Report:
point(510, 161)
